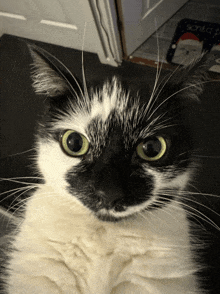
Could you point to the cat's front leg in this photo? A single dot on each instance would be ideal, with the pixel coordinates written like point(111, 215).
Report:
point(41, 275)
point(23, 284)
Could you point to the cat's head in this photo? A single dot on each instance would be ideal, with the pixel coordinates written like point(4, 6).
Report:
point(114, 150)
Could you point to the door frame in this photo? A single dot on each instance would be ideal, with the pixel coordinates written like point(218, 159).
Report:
point(106, 18)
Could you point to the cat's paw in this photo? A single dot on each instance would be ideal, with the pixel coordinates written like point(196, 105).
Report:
point(39, 285)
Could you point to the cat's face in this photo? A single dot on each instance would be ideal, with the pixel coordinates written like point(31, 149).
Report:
point(116, 152)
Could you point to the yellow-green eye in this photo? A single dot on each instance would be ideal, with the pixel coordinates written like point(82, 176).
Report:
point(74, 144)
point(152, 149)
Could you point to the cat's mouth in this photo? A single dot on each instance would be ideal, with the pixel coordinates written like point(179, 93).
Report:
point(115, 211)
point(112, 215)
point(107, 217)
point(111, 211)
point(121, 212)
point(113, 205)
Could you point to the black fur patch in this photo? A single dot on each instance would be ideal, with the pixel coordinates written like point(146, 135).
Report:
point(112, 175)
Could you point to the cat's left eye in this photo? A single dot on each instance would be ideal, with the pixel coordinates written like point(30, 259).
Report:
point(74, 143)
point(152, 149)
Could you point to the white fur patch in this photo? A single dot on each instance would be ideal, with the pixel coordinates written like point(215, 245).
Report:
point(109, 98)
point(102, 103)
point(62, 248)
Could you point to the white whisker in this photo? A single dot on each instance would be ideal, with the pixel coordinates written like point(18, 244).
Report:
point(200, 193)
point(160, 88)
point(175, 93)
point(194, 201)
point(158, 72)
point(15, 181)
point(15, 178)
point(23, 152)
point(14, 192)
point(208, 156)
point(195, 212)
point(83, 66)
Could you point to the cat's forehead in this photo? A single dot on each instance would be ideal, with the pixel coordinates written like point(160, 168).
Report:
point(104, 100)
point(106, 107)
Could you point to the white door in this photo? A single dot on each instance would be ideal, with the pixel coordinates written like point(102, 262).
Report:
point(62, 22)
point(141, 18)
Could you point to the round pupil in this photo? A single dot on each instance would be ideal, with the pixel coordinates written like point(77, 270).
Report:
point(74, 142)
point(152, 148)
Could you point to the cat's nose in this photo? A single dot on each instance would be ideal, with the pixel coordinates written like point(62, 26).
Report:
point(101, 194)
point(109, 196)
point(109, 202)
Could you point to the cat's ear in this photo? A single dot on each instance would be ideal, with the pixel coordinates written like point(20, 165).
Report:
point(191, 78)
point(50, 76)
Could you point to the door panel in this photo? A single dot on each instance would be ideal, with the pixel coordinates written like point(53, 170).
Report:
point(141, 18)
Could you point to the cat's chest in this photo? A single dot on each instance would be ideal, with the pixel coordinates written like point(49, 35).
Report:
point(103, 256)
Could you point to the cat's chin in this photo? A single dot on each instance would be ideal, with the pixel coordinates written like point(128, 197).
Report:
point(111, 218)
point(113, 215)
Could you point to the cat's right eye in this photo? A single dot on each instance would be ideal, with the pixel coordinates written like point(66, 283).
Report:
point(152, 149)
point(74, 143)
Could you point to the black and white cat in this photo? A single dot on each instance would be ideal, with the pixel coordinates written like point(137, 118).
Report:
point(111, 216)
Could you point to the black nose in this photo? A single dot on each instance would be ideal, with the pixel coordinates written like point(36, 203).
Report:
point(113, 201)
point(109, 183)
point(110, 180)
point(110, 195)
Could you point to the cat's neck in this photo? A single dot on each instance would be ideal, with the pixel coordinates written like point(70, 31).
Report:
point(61, 217)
